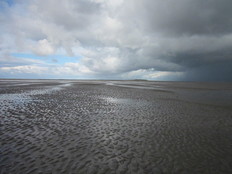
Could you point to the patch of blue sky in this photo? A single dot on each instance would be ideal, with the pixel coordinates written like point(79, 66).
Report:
point(10, 2)
point(6, 2)
point(54, 59)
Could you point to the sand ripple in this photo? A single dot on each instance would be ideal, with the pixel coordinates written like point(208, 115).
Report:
point(98, 128)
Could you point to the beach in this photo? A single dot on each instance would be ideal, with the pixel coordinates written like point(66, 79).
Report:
point(97, 126)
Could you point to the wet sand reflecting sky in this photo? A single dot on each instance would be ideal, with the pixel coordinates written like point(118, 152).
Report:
point(115, 127)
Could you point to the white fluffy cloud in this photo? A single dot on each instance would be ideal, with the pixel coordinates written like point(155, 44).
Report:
point(43, 47)
point(120, 37)
point(32, 69)
point(68, 70)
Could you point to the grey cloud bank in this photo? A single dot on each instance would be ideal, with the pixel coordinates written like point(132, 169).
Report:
point(158, 40)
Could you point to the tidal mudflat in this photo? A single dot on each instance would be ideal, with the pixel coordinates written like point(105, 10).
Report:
point(58, 126)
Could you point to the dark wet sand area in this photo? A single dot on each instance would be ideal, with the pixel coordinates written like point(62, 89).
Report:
point(93, 127)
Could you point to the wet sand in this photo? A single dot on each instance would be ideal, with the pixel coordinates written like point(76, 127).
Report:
point(51, 126)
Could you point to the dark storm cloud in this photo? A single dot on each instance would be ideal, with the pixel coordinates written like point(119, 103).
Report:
point(174, 40)
point(195, 35)
point(205, 66)
point(189, 16)
point(220, 71)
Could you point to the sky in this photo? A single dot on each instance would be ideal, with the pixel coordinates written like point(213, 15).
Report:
point(181, 40)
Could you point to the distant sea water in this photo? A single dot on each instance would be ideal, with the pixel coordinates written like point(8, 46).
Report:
point(74, 126)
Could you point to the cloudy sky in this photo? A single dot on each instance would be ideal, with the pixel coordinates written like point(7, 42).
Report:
point(116, 39)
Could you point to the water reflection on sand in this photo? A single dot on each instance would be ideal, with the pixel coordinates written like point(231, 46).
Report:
point(115, 127)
